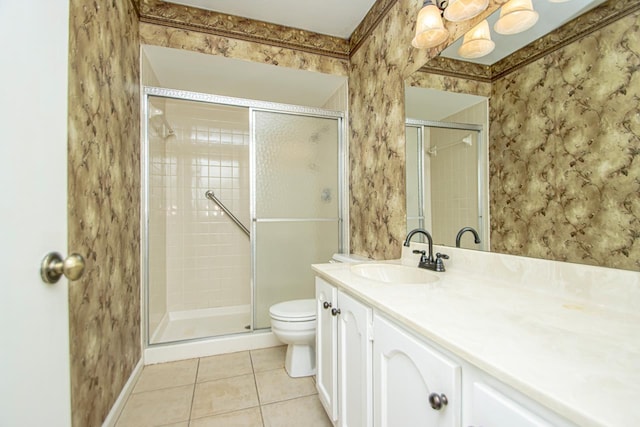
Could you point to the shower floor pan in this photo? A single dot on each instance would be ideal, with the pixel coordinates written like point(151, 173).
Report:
point(202, 323)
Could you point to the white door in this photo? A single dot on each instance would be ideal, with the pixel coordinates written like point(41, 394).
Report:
point(354, 363)
point(34, 329)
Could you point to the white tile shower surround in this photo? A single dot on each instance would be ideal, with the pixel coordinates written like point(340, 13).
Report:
point(244, 389)
point(208, 322)
point(198, 258)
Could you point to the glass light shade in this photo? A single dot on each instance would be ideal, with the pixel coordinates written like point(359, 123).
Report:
point(430, 31)
point(461, 10)
point(516, 16)
point(477, 42)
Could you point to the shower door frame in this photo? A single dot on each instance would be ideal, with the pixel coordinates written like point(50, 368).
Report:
point(252, 105)
point(482, 165)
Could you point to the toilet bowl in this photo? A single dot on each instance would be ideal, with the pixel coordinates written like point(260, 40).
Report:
point(294, 323)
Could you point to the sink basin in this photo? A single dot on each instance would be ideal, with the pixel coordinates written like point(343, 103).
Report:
point(393, 273)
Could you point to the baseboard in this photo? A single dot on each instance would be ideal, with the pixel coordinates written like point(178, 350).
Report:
point(118, 406)
point(209, 347)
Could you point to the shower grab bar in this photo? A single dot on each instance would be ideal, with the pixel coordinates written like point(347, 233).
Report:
point(209, 195)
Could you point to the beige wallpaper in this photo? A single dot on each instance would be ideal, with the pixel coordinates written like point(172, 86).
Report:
point(565, 153)
point(104, 203)
point(376, 118)
point(177, 38)
point(238, 28)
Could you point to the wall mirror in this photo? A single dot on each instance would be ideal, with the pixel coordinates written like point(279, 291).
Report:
point(536, 203)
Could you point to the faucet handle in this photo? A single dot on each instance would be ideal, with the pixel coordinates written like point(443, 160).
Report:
point(423, 257)
point(439, 262)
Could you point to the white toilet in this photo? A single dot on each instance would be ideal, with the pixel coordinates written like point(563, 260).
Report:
point(294, 323)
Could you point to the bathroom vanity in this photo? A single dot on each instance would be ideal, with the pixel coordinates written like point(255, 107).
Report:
point(495, 341)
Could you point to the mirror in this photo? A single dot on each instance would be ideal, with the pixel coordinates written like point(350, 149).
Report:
point(563, 146)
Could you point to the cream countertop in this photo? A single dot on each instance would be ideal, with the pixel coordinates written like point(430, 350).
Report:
point(573, 355)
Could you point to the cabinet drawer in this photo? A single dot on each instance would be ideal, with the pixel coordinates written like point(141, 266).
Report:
point(493, 409)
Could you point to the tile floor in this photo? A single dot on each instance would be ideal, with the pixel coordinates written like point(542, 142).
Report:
point(245, 389)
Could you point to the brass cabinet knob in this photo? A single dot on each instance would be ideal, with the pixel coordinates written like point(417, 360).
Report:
point(53, 267)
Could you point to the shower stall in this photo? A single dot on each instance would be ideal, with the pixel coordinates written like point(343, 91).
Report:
point(240, 198)
point(445, 168)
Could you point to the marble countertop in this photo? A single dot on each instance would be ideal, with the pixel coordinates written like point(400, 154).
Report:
point(578, 359)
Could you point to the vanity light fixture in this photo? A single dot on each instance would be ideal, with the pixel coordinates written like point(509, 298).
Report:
point(461, 10)
point(516, 16)
point(430, 31)
point(477, 42)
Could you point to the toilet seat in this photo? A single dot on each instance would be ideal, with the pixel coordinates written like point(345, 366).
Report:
point(300, 310)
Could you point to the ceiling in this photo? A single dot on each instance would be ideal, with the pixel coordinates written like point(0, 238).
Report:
point(331, 17)
point(551, 16)
point(432, 104)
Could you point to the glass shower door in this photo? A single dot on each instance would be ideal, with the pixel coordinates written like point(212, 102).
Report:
point(296, 204)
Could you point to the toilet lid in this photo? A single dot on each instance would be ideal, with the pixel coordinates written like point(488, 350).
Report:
point(298, 310)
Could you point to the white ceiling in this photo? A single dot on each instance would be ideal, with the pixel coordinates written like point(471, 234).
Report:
point(551, 16)
point(198, 72)
point(431, 104)
point(332, 17)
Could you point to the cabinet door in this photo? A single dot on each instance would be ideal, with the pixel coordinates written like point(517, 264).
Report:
point(326, 347)
point(405, 373)
point(493, 409)
point(354, 363)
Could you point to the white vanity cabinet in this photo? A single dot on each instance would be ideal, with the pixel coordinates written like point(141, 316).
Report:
point(413, 385)
point(490, 408)
point(344, 356)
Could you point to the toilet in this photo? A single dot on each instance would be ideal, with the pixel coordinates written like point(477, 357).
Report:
point(294, 323)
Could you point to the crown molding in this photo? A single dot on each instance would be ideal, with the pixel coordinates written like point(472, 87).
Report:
point(219, 24)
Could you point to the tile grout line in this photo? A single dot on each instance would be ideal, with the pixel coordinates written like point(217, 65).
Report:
point(193, 395)
point(255, 381)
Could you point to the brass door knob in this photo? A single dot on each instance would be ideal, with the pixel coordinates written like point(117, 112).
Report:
point(53, 267)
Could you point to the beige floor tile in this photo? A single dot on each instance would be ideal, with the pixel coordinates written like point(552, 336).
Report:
point(304, 411)
point(182, 424)
point(224, 366)
point(266, 359)
point(245, 418)
point(157, 408)
point(276, 385)
point(225, 395)
point(165, 375)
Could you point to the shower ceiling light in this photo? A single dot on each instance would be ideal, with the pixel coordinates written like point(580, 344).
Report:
point(477, 42)
point(430, 31)
point(516, 16)
point(461, 10)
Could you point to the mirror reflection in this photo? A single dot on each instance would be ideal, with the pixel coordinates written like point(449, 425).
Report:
point(562, 147)
point(446, 173)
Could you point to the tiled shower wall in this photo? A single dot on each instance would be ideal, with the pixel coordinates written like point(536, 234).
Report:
point(207, 262)
point(454, 177)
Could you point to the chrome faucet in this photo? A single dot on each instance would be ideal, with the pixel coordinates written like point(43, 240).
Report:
point(464, 230)
point(427, 261)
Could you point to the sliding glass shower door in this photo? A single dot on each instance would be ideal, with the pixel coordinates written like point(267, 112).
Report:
point(296, 204)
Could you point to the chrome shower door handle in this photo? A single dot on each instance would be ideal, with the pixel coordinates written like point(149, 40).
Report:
point(53, 267)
